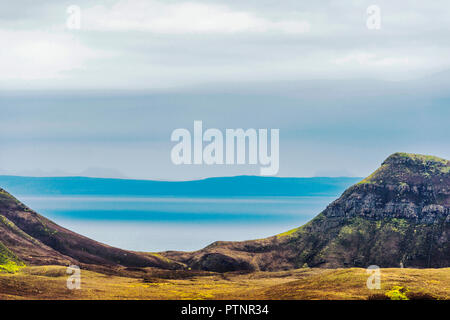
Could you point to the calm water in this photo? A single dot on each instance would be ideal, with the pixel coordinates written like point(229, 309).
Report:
point(176, 223)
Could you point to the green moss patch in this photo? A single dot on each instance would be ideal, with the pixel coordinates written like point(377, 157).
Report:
point(9, 262)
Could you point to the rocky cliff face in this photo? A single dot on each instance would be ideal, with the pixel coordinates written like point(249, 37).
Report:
point(412, 187)
point(397, 216)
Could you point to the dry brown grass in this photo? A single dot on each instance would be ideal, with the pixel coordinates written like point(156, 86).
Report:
point(340, 284)
point(49, 282)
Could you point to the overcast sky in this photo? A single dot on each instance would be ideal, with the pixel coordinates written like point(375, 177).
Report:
point(130, 44)
point(106, 97)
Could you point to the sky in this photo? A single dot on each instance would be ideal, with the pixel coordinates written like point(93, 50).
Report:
point(102, 100)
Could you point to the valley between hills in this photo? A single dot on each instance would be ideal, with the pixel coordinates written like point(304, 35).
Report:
point(397, 218)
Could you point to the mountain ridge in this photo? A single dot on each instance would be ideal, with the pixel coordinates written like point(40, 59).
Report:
point(398, 216)
point(217, 186)
point(389, 223)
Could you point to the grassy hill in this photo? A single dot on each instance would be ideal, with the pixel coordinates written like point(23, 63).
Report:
point(398, 216)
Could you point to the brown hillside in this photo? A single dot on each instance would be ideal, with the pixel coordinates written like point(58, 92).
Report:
point(397, 216)
point(28, 237)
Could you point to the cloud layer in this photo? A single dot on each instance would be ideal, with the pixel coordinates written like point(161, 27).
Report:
point(113, 91)
point(136, 44)
point(183, 18)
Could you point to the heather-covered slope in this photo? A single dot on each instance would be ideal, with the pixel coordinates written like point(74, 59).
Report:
point(27, 237)
point(398, 216)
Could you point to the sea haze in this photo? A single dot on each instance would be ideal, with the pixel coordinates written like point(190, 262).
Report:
point(157, 216)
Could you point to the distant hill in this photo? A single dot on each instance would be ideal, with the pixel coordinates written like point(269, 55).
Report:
point(398, 216)
point(223, 186)
point(28, 238)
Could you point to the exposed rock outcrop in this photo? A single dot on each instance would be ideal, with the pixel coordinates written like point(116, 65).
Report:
point(399, 215)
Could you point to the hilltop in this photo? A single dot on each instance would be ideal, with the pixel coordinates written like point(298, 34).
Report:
point(398, 216)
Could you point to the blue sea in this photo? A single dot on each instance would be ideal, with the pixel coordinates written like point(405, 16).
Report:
point(172, 222)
